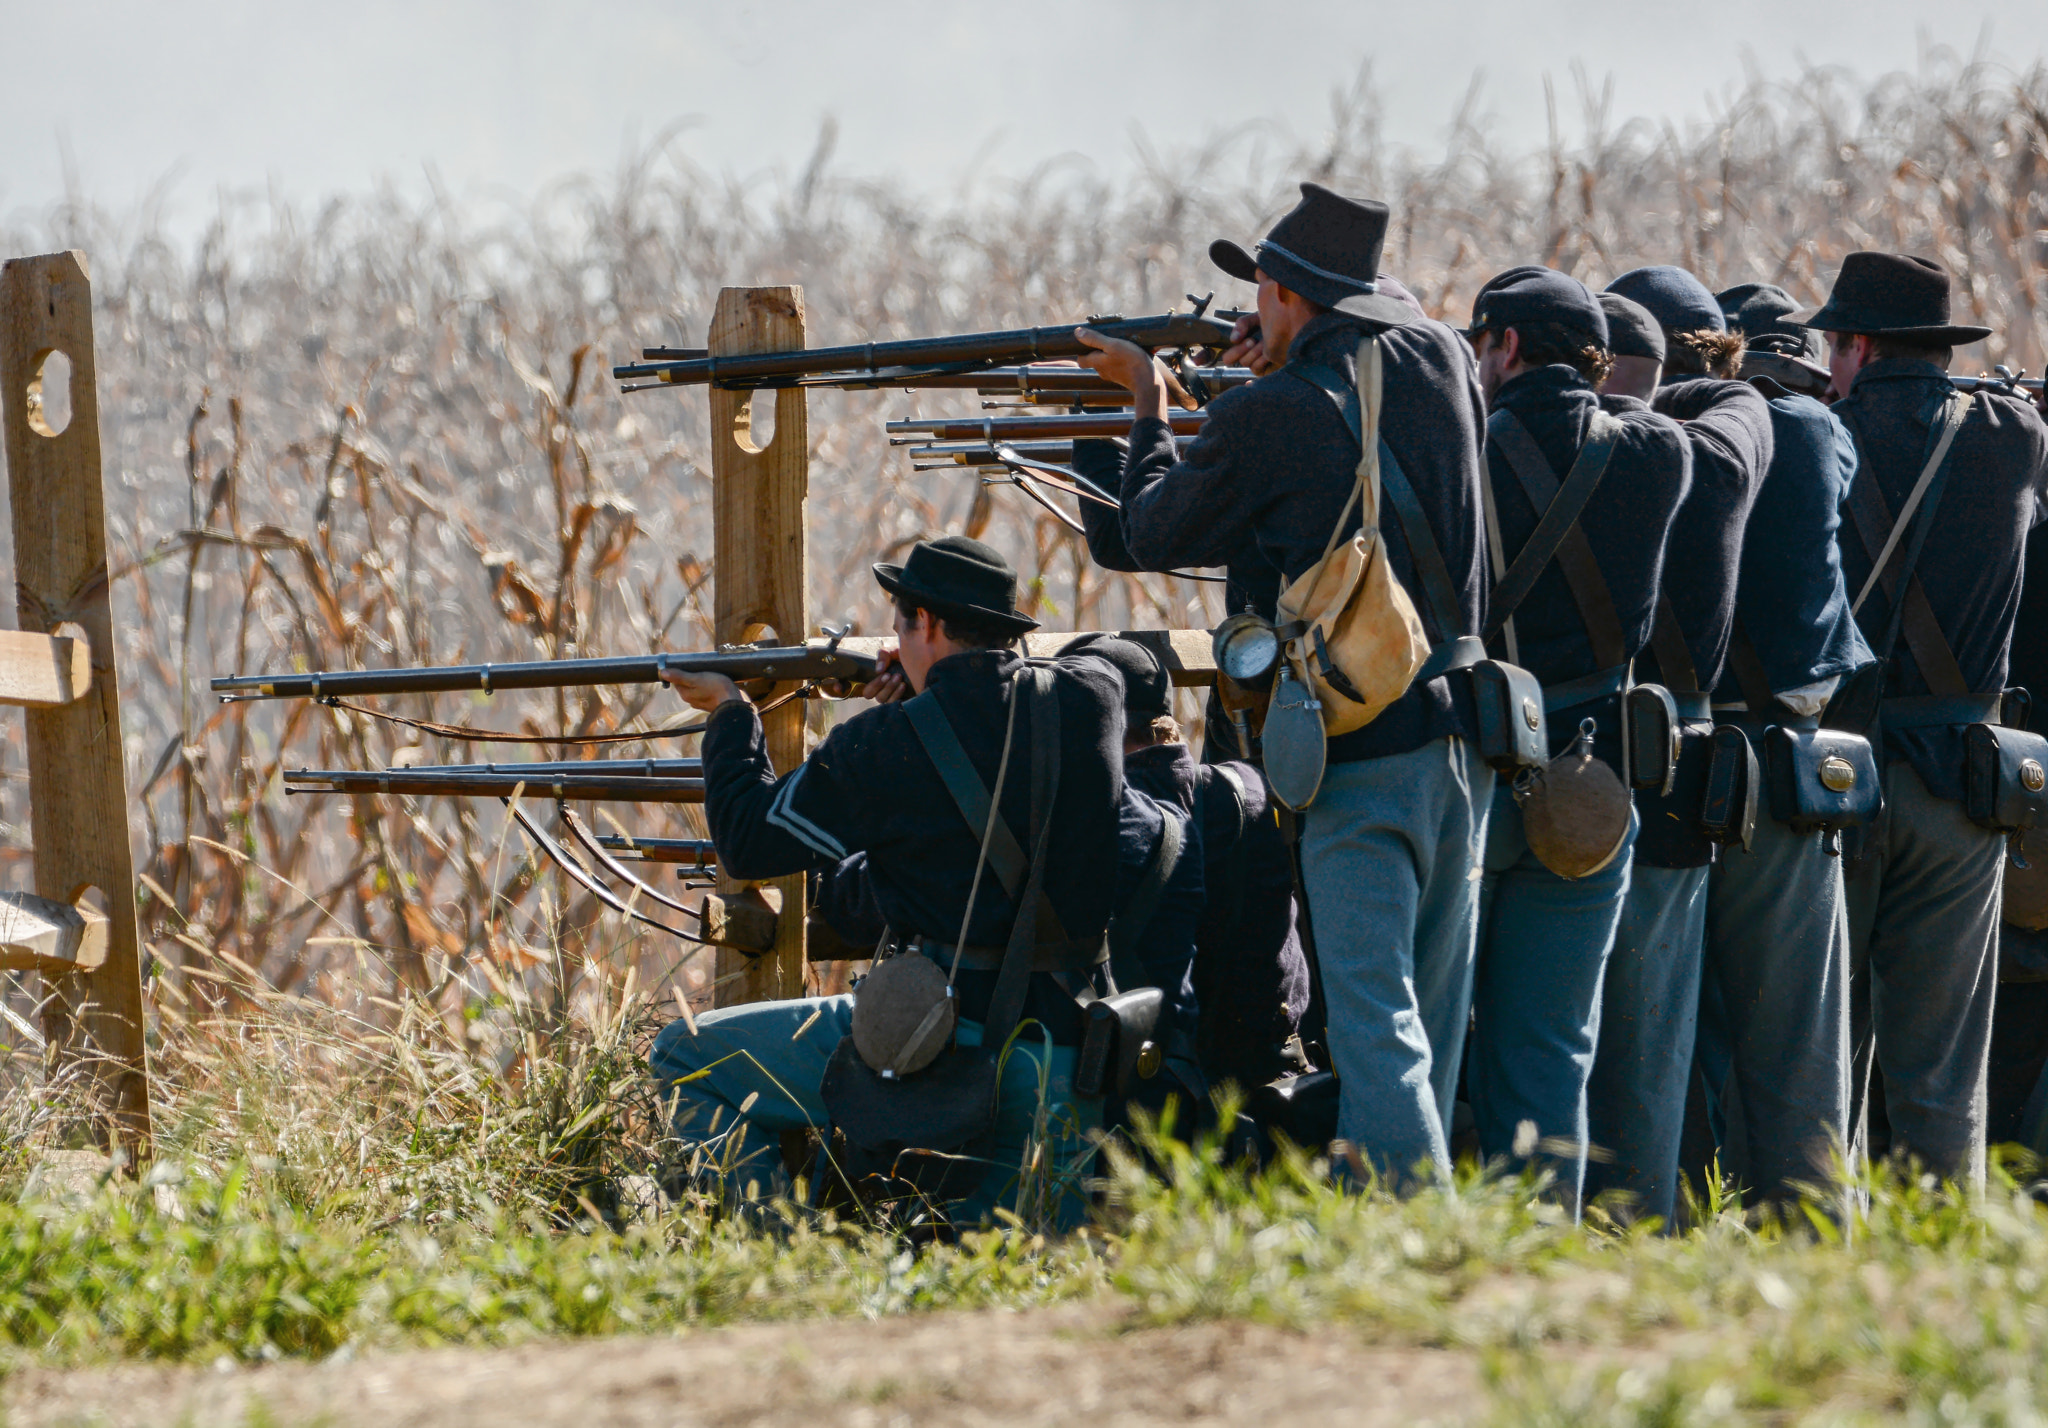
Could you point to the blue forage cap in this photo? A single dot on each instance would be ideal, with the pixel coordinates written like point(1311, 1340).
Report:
point(1632, 332)
point(1524, 295)
point(1679, 301)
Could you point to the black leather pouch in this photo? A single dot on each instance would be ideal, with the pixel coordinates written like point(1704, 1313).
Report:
point(926, 1134)
point(1303, 1109)
point(1728, 810)
point(1823, 779)
point(1118, 1047)
point(1653, 738)
point(1509, 702)
point(1668, 830)
point(2005, 778)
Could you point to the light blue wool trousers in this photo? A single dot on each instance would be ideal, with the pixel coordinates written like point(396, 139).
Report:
point(1774, 1039)
point(1389, 851)
point(1923, 946)
point(1649, 1012)
point(1543, 947)
point(776, 1053)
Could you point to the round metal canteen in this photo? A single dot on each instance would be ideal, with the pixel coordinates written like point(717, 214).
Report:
point(1246, 648)
point(1575, 813)
point(903, 1015)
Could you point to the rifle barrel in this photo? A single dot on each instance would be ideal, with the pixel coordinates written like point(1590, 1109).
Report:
point(574, 768)
point(816, 659)
point(989, 430)
point(617, 788)
point(1997, 384)
point(887, 363)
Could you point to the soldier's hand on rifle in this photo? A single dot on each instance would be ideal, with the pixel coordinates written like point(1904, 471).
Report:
point(1247, 346)
point(703, 692)
point(890, 685)
point(1130, 367)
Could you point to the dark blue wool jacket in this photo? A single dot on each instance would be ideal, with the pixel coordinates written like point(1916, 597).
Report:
point(1971, 563)
point(1250, 974)
point(1792, 601)
point(1729, 427)
point(869, 787)
point(1274, 465)
point(1626, 521)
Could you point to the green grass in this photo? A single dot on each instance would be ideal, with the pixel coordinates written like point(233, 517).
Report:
point(1927, 1308)
point(321, 1185)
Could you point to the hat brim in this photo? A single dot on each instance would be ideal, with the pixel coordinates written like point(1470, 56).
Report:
point(1233, 259)
point(890, 578)
point(1827, 319)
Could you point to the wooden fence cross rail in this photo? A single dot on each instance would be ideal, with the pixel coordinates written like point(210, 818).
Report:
point(78, 794)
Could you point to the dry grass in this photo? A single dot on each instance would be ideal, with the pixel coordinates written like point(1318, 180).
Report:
point(380, 432)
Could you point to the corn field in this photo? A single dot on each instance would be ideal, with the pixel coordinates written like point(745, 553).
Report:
point(378, 431)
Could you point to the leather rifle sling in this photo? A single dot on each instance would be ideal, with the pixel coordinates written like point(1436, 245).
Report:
point(1574, 551)
point(1131, 920)
point(1912, 612)
point(1013, 978)
point(1439, 593)
point(970, 795)
point(1560, 517)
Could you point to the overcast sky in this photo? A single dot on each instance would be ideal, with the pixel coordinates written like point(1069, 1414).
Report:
point(501, 97)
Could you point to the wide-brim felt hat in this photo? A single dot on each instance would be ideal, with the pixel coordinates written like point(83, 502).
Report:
point(1892, 295)
point(1327, 248)
point(958, 578)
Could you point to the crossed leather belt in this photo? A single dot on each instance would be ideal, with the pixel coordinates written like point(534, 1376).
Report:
point(1921, 711)
point(1076, 955)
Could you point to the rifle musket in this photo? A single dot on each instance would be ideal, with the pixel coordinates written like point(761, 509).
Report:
point(886, 363)
point(814, 659)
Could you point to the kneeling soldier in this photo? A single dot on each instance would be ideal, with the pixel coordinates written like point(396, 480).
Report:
point(1013, 910)
point(1250, 975)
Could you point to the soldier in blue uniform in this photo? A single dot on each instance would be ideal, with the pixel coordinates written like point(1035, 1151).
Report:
point(1773, 1043)
point(1250, 977)
point(1651, 996)
point(1391, 841)
point(1924, 895)
point(1544, 941)
point(741, 1076)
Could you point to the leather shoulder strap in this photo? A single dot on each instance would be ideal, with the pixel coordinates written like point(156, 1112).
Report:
point(1748, 666)
point(1574, 551)
point(1439, 592)
point(1559, 517)
point(970, 795)
point(1674, 656)
point(1912, 612)
point(1032, 924)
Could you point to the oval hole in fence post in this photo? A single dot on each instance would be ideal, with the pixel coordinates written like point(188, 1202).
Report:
point(49, 394)
point(753, 423)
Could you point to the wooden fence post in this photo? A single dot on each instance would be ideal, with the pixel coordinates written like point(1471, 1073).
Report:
point(761, 575)
point(78, 791)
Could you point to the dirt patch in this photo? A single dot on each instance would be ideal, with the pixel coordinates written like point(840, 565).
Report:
point(961, 1370)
